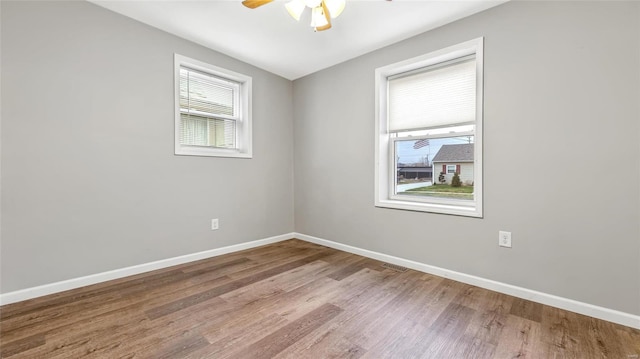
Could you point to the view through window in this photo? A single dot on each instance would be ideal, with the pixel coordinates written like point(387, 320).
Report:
point(418, 175)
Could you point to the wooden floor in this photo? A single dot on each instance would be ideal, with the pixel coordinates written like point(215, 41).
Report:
point(299, 300)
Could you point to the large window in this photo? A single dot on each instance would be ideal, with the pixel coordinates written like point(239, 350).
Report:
point(429, 132)
point(213, 110)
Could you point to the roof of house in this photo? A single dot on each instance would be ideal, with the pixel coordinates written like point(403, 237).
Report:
point(455, 153)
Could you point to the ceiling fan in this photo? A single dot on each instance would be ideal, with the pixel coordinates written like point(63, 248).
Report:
point(322, 11)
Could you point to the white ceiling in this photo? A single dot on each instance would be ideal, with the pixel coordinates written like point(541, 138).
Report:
point(267, 37)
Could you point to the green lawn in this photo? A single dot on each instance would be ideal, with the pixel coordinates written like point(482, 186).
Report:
point(443, 190)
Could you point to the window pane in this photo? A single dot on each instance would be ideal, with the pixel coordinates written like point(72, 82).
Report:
point(222, 133)
point(210, 132)
point(193, 131)
point(205, 94)
point(427, 167)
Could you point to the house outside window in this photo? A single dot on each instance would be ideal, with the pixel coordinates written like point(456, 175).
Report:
point(212, 110)
point(456, 158)
point(429, 118)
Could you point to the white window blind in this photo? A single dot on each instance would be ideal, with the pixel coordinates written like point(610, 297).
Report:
point(208, 110)
point(433, 97)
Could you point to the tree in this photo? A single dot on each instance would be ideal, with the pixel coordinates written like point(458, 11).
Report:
point(455, 181)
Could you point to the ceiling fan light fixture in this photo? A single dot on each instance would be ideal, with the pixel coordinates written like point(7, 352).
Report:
point(312, 3)
point(321, 14)
point(335, 7)
point(318, 19)
point(295, 8)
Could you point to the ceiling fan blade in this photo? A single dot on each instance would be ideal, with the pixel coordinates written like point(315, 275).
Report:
point(327, 16)
point(252, 4)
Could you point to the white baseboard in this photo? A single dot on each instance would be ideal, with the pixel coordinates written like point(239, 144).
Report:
point(610, 315)
point(39, 291)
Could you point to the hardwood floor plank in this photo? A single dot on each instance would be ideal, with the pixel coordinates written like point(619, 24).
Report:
point(349, 269)
point(297, 303)
point(336, 339)
point(281, 260)
point(52, 302)
point(520, 338)
point(148, 337)
point(65, 318)
point(471, 297)
point(283, 282)
point(182, 347)
point(561, 334)
point(365, 318)
point(121, 331)
point(630, 339)
point(485, 328)
point(597, 337)
point(603, 336)
point(235, 337)
point(21, 345)
point(492, 312)
point(289, 306)
point(295, 299)
point(436, 301)
point(96, 301)
point(399, 341)
point(68, 332)
point(527, 309)
point(228, 287)
point(335, 293)
point(341, 348)
point(279, 340)
point(216, 267)
point(474, 348)
point(139, 282)
point(444, 336)
point(183, 303)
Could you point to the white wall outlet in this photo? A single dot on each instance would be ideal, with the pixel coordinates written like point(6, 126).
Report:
point(215, 224)
point(504, 239)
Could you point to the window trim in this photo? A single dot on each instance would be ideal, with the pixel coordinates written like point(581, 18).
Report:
point(243, 120)
point(384, 155)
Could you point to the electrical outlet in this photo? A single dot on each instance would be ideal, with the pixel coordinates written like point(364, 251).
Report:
point(215, 224)
point(504, 239)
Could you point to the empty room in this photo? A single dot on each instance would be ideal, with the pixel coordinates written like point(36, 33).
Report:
point(320, 179)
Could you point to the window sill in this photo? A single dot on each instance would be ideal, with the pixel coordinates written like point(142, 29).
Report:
point(210, 152)
point(430, 207)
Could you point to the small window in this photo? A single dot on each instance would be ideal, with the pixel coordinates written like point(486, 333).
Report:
point(429, 132)
point(213, 110)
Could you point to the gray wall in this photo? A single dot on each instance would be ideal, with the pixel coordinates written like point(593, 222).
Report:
point(562, 94)
point(90, 182)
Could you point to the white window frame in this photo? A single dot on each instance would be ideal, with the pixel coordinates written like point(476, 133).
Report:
point(385, 158)
point(454, 169)
point(242, 102)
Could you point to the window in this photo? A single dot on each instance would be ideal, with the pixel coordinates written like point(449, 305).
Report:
point(213, 110)
point(429, 118)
